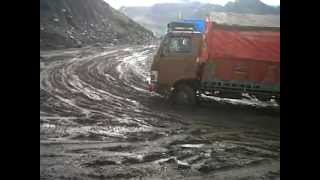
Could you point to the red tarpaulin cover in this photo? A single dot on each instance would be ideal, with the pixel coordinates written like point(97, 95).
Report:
point(242, 54)
point(242, 44)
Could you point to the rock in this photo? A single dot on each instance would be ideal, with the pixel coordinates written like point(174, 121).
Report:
point(102, 24)
point(79, 44)
point(183, 165)
point(205, 169)
point(213, 166)
point(203, 130)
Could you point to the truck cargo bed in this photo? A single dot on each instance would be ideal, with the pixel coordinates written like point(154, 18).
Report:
point(242, 54)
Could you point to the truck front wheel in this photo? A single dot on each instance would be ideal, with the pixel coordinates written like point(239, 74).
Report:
point(184, 95)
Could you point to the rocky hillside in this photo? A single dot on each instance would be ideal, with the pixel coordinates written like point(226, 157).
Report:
point(157, 16)
point(250, 6)
point(243, 19)
point(74, 23)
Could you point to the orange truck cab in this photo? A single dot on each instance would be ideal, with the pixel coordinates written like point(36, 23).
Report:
point(225, 61)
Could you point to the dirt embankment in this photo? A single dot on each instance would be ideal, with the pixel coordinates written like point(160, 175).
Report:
point(69, 23)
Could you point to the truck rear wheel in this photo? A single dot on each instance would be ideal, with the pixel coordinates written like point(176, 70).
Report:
point(184, 95)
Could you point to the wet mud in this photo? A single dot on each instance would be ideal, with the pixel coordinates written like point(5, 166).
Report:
point(98, 121)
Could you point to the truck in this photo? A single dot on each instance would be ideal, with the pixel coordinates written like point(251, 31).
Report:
point(224, 60)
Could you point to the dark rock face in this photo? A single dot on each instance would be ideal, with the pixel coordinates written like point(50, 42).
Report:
point(69, 23)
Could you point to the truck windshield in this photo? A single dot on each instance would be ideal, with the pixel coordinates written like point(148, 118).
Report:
point(179, 45)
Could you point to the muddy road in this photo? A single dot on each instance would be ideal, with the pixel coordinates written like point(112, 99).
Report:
point(98, 121)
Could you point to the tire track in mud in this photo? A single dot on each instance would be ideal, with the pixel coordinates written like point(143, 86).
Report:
point(98, 121)
point(98, 95)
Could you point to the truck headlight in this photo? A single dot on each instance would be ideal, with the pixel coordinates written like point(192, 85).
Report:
point(154, 76)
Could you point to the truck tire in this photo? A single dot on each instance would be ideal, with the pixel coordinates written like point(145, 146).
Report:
point(183, 94)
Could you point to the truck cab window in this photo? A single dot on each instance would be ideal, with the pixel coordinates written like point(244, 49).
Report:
point(179, 45)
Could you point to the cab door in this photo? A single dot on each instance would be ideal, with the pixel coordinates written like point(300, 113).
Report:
point(177, 59)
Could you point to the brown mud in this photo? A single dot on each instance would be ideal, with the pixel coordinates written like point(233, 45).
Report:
point(98, 121)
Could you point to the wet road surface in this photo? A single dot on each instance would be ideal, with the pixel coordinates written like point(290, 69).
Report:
point(98, 121)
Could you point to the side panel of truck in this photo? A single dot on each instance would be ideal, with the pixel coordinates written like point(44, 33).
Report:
point(242, 58)
point(242, 70)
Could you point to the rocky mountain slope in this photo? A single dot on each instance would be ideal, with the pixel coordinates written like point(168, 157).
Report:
point(69, 23)
point(157, 16)
point(251, 6)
